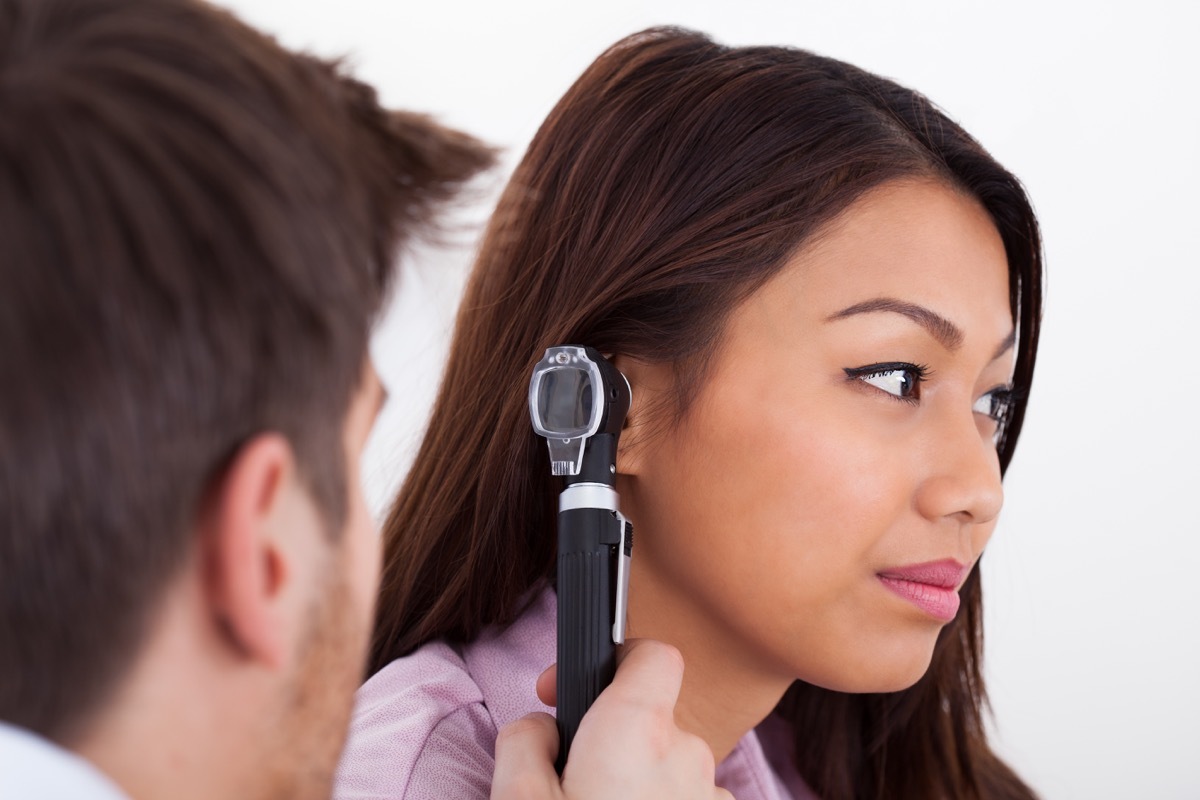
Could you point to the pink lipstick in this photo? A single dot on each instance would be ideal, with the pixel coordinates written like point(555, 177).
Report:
point(931, 587)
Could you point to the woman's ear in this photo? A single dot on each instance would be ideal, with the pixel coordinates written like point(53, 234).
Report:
point(650, 385)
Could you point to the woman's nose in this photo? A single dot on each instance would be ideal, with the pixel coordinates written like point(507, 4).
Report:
point(965, 479)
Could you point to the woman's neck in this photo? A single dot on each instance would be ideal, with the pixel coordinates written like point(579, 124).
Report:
point(724, 694)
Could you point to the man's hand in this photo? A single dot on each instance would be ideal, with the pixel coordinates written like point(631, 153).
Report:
point(628, 745)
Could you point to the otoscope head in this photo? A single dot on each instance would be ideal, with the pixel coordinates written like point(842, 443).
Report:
point(577, 395)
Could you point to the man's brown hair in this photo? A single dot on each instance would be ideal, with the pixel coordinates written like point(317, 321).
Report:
point(197, 227)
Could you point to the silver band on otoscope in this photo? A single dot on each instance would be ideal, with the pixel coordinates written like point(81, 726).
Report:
point(588, 495)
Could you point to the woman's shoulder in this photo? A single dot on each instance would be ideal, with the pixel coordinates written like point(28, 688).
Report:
point(419, 729)
point(426, 724)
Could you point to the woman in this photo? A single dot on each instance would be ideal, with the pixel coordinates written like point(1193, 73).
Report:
point(825, 296)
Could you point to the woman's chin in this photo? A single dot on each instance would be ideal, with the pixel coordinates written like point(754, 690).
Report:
point(891, 672)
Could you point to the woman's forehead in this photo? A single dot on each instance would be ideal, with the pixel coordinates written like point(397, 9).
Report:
point(917, 246)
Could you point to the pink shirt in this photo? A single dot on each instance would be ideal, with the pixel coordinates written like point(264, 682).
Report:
point(425, 725)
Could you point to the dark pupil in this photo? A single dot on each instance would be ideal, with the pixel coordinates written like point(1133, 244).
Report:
point(907, 383)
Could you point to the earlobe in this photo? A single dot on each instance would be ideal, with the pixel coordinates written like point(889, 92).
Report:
point(246, 570)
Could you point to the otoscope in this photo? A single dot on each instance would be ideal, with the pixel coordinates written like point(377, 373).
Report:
point(578, 401)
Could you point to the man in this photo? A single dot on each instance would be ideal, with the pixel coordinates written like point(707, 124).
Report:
point(196, 230)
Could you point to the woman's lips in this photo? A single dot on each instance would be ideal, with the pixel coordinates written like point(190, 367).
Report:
point(931, 587)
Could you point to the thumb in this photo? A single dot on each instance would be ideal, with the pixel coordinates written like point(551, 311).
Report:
point(650, 673)
point(639, 660)
point(525, 753)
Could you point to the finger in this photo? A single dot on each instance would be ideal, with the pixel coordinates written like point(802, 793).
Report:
point(525, 753)
point(650, 672)
point(547, 685)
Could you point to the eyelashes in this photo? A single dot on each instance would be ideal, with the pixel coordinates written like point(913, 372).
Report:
point(902, 381)
point(899, 379)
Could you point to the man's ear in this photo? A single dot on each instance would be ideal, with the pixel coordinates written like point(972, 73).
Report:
point(650, 385)
point(246, 569)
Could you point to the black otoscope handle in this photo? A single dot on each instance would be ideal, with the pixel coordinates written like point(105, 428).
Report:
point(589, 541)
point(587, 657)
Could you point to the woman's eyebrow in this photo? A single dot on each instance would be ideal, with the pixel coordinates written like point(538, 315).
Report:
point(384, 396)
point(1006, 345)
point(940, 328)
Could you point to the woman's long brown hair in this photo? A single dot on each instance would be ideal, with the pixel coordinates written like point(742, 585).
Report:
point(672, 180)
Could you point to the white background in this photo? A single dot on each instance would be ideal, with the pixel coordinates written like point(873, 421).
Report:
point(1093, 607)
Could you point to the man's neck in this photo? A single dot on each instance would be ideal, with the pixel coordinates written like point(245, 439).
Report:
point(173, 729)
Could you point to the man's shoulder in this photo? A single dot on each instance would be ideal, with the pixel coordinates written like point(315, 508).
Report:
point(33, 768)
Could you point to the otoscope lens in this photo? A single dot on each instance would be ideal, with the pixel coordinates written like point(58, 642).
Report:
point(565, 401)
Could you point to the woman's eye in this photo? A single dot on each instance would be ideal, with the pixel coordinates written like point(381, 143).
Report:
point(995, 403)
point(902, 381)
